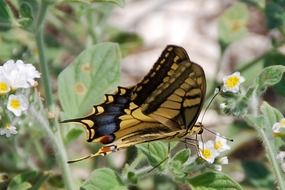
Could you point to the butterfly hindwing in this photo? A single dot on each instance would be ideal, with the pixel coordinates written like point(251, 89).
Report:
point(103, 121)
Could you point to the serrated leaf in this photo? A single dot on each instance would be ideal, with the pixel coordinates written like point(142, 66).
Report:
point(84, 82)
point(269, 77)
point(213, 181)
point(102, 179)
point(232, 24)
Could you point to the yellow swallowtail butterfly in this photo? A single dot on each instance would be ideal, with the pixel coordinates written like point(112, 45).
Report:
point(164, 105)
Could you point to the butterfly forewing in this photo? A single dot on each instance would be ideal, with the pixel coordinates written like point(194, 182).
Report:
point(170, 55)
point(164, 105)
point(176, 102)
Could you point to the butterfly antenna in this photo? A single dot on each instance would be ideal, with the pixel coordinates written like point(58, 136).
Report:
point(213, 132)
point(215, 95)
point(218, 134)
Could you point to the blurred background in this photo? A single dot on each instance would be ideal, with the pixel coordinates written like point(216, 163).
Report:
point(223, 36)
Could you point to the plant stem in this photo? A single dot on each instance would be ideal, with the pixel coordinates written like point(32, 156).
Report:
point(41, 50)
point(58, 147)
point(269, 146)
point(272, 158)
point(55, 136)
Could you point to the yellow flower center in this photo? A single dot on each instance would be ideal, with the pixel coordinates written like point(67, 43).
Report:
point(282, 122)
point(232, 81)
point(206, 153)
point(218, 145)
point(15, 104)
point(4, 88)
point(8, 126)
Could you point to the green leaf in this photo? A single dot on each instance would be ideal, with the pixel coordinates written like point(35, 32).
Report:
point(182, 156)
point(26, 15)
point(4, 17)
point(232, 24)
point(275, 14)
point(155, 152)
point(271, 114)
point(56, 181)
point(84, 82)
point(120, 3)
point(102, 179)
point(269, 77)
point(213, 181)
point(258, 3)
point(73, 134)
point(23, 181)
point(254, 121)
point(276, 58)
point(257, 174)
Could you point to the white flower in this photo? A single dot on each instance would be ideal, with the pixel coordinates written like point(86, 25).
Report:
point(19, 74)
point(4, 85)
point(281, 158)
point(17, 104)
point(207, 151)
point(8, 130)
point(279, 128)
point(221, 144)
point(232, 82)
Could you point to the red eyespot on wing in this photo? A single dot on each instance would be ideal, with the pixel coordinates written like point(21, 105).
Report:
point(106, 139)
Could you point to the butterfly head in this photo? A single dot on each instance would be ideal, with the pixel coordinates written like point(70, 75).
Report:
point(198, 128)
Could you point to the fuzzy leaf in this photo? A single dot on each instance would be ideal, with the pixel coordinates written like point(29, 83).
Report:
point(155, 152)
point(269, 77)
point(24, 180)
point(84, 82)
point(182, 156)
point(213, 181)
point(103, 178)
point(271, 114)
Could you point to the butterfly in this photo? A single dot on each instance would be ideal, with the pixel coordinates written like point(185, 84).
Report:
point(164, 105)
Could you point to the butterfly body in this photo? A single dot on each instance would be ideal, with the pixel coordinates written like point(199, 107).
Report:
point(163, 106)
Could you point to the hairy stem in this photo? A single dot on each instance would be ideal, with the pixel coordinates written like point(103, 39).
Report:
point(42, 56)
point(269, 146)
point(54, 135)
point(58, 147)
